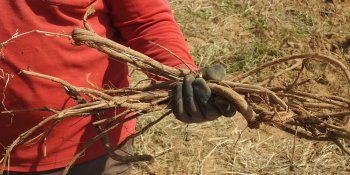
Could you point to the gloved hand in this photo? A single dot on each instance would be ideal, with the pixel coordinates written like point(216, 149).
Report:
point(193, 101)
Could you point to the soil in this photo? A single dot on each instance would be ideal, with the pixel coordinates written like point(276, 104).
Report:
point(244, 34)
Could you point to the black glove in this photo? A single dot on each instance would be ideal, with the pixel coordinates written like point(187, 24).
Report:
point(193, 101)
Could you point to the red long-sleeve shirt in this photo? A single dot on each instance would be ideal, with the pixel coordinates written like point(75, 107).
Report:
point(132, 22)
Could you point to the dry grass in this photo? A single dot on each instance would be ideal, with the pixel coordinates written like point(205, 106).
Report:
point(219, 148)
point(243, 34)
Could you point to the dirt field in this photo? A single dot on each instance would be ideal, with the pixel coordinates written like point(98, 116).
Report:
point(243, 34)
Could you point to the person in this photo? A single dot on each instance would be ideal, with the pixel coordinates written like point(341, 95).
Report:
point(132, 23)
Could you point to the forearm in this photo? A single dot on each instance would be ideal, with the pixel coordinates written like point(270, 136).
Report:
point(143, 22)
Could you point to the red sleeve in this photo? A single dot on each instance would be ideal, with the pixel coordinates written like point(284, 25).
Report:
point(141, 21)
